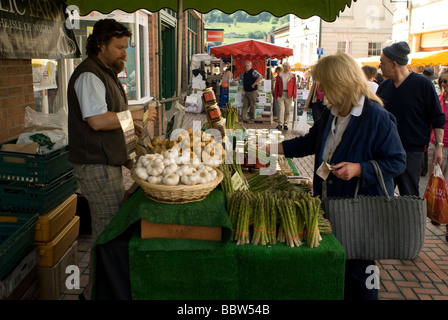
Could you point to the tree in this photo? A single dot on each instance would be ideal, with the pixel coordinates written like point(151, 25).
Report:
point(265, 16)
point(210, 17)
point(283, 20)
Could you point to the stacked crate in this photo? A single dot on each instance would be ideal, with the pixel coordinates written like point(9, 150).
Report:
point(41, 188)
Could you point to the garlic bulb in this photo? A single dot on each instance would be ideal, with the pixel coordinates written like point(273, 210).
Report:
point(189, 179)
point(172, 168)
point(155, 179)
point(141, 173)
point(185, 170)
point(155, 167)
point(171, 179)
point(203, 176)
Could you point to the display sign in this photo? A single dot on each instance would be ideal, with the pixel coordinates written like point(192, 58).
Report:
point(434, 40)
point(44, 74)
point(36, 29)
point(215, 35)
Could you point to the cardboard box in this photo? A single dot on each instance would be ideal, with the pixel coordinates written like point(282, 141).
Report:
point(193, 103)
point(150, 230)
point(28, 288)
point(9, 283)
point(258, 112)
point(52, 279)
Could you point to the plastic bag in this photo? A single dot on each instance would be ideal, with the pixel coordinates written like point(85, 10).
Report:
point(301, 126)
point(35, 119)
point(436, 195)
point(48, 140)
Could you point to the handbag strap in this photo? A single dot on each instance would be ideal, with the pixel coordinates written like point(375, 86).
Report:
point(380, 178)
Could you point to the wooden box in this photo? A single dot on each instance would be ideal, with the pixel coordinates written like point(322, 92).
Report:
point(150, 230)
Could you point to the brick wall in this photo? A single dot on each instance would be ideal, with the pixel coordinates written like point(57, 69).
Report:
point(16, 93)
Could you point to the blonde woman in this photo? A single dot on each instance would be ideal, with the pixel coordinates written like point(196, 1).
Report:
point(353, 129)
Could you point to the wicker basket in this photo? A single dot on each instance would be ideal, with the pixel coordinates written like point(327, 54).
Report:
point(180, 193)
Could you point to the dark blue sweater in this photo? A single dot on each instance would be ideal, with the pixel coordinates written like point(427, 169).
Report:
point(416, 107)
point(371, 136)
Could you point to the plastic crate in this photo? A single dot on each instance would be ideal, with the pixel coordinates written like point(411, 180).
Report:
point(16, 239)
point(33, 168)
point(26, 198)
point(48, 225)
point(51, 252)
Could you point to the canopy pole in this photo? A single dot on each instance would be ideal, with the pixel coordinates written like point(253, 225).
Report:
point(231, 63)
point(180, 17)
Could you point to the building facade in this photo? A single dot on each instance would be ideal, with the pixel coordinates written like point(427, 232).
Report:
point(149, 75)
point(361, 30)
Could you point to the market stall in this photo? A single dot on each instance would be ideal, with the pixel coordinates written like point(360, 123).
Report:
point(172, 269)
point(123, 253)
point(259, 53)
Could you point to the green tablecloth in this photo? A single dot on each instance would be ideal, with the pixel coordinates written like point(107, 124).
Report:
point(209, 212)
point(239, 272)
point(194, 270)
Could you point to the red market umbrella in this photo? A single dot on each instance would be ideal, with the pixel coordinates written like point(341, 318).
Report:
point(251, 49)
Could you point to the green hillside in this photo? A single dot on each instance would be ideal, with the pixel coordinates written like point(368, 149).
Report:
point(240, 26)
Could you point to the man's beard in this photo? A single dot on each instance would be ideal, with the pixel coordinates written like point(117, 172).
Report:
point(118, 65)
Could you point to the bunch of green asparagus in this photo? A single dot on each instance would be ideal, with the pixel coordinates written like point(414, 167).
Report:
point(267, 217)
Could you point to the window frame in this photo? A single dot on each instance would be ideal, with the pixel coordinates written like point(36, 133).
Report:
point(376, 50)
point(137, 18)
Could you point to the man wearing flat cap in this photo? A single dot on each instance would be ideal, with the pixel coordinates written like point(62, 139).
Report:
point(412, 99)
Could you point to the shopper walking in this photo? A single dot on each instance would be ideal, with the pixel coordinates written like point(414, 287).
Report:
point(412, 99)
point(443, 99)
point(371, 73)
point(250, 78)
point(285, 92)
point(227, 79)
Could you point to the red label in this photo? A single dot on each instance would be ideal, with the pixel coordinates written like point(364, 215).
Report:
point(209, 96)
point(215, 114)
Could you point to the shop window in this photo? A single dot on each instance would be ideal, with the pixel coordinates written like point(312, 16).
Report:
point(342, 46)
point(50, 77)
point(192, 37)
point(47, 84)
point(374, 49)
point(135, 76)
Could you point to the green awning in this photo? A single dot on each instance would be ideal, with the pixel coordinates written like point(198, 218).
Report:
point(328, 10)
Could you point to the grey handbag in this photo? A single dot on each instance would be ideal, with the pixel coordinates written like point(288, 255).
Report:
point(378, 227)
